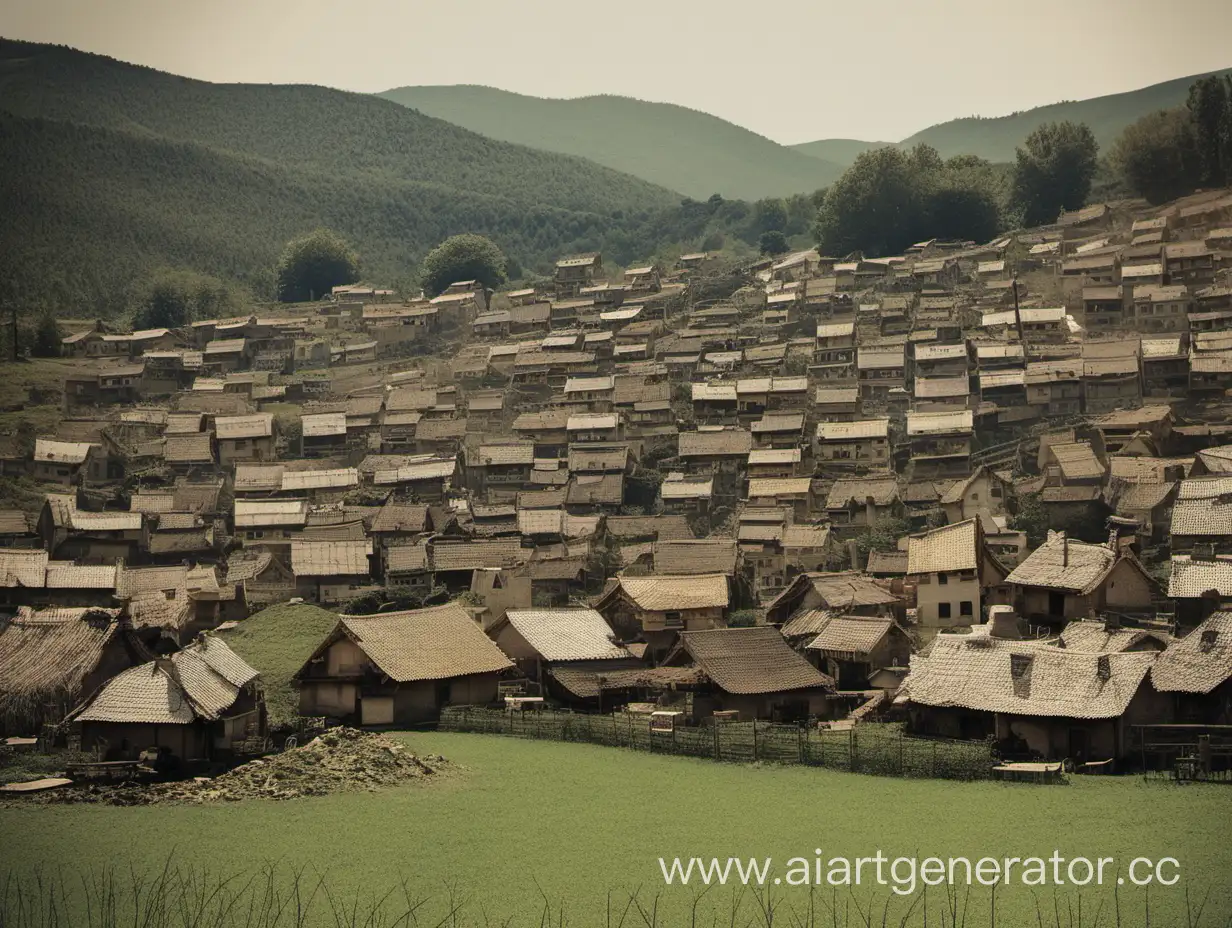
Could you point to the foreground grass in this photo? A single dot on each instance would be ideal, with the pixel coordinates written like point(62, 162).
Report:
point(567, 824)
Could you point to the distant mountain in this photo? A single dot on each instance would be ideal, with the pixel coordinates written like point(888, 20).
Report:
point(996, 138)
point(838, 151)
point(111, 169)
point(672, 146)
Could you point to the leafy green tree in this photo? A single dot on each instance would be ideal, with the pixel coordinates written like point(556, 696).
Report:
point(1210, 111)
point(47, 336)
point(174, 298)
point(313, 264)
point(890, 198)
point(1053, 171)
point(1157, 156)
point(463, 257)
point(772, 243)
point(770, 215)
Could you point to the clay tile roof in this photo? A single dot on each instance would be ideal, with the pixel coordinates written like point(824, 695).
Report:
point(401, 517)
point(567, 634)
point(522, 452)
point(20, 567)
point(1025, 678)
point(1077, 460)
point(260, 425)
point(1190, 578)
point(1200, 661)
point(664, 527)
point(330, 558)
point(596, 489)
point(943, 549)
point(751, 661)
point(850, 590)
point(851, 635)
point(425, 644)
point(1098, 638)
point(704, 556)
point(196, 448)
point(64, 575)
point(718, 441)
point(1062, 563)
point(882, 490)
point(670, 593)
point(489, 553)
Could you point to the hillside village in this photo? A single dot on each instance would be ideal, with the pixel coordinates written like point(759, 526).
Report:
point(982, 489)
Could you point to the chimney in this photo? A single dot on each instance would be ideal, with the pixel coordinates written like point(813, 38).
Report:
point(1003, 623)
point(1064, 550)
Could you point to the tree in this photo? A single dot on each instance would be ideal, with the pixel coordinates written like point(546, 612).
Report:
point(1053, 171)
point(770, 215)
point(463, 257)
point(772, 243)
point(1210, 111)
point(1157, 156)
point(174, 298)
point(47, 336)
point(313, 264)
point(890, 198)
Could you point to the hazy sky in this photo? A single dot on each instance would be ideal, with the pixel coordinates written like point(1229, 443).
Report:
point(793, 70)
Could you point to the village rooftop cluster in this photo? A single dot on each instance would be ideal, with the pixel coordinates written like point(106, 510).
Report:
point(666, 490)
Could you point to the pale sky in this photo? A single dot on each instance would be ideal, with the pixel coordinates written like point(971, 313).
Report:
point(793, 70)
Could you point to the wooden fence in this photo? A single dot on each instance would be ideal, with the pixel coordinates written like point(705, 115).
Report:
point(873, 748)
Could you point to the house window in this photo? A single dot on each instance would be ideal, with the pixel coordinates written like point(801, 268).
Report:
point(964, 608)
point(943, 579)
point(672, 620)
point(943, 610)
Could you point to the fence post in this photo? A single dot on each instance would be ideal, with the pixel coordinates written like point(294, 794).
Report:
point(901, 768)
point(933, 772)
point(754, 738)
point(852, 763)
point(800, 743)
point(717, 747)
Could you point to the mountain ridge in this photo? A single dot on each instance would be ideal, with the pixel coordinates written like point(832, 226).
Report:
point(683, 149)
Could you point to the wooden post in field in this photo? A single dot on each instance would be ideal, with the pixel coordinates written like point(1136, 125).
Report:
point(717, 746)
point(754, 738)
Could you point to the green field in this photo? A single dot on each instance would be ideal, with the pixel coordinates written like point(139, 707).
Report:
point(522, 821)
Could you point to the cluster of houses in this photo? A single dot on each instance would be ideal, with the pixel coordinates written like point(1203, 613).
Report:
point(803, 498)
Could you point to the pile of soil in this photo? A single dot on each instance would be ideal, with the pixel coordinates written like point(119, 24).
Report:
point(339, 760)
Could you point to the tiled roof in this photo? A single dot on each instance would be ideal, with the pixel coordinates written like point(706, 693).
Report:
point(668, 593)
point(1025, 678)
point(401, 517)
point(686, 489)
point(567, 634)
point(851, 634)
point(330, 558)
point(882, 490)
point(323, 425)
point(21, 567)
point(1190, 578)
point(596, 489)
point(196, 448)
point(252, 513)
point(61, 452)
point(752, 661)
point(1200, 517)
point(716, 442)
point(1200, 661)
point(490, 553)
point(932, 423)
point(779, 422)
point(850, 590)
point(703, 556)
point(1062, 563)
point(1098, 638)
point(1077, 460)
point(335, 478)
point(260, 425)
point(949, 548)
point(859, 430)
point(522, 452)
point(762, 487)
point(664, 527)
point(64, 575)
point(425, 644)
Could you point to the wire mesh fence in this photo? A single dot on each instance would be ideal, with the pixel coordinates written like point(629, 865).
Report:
point(874, 748)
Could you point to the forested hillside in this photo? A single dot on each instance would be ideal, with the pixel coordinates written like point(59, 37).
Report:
point(996, 138)
point(111, 170)
point(673, 146)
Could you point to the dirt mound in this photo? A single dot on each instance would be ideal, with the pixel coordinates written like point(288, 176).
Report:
point(338, 760)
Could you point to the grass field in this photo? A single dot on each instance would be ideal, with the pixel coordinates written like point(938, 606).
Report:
point(527, 820)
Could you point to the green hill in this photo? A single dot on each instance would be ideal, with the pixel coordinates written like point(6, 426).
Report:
point(672, 146)
point(995, 138)
point(114, 169)
point(838, 151)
